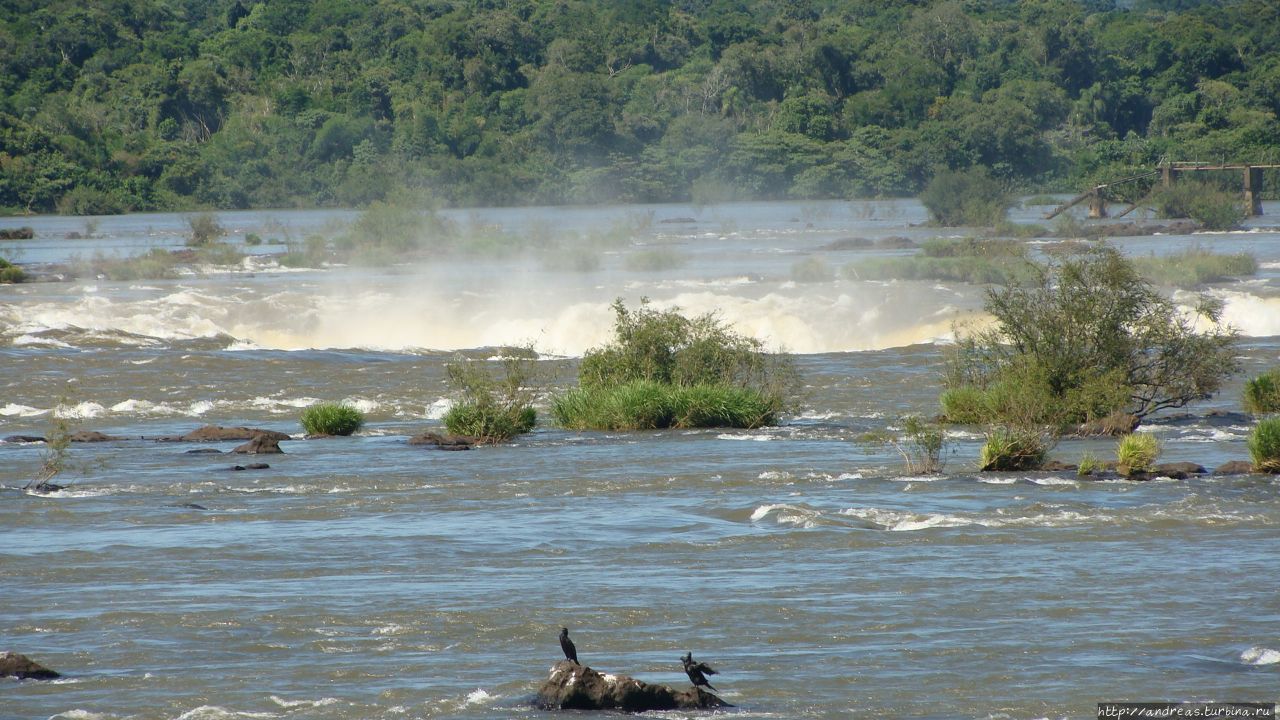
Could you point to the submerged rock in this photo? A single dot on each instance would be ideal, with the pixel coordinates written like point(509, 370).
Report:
point(217, 433)
point(1110, 426)
point(20, 666)
point(25, 439)
point(443, 442)
point(260, 445)
point(92, 436)
point(1235, 467)
point(578, 687)
point(1178, 470)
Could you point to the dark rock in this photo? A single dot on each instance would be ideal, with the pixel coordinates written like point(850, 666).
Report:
point(204, 451)
point(191, 506)
point(443, 442)
point(1234, 467)
point(92, 436)
point(1185, 469)
point(1111, 426)
point(1058, 466)
point(849, 243)
point(24, 439)
point(250, 466)
point(20, 666)
point(676, 220)
point(21, 233)
point(260, 445)
point(578, 687)
point(217, 433)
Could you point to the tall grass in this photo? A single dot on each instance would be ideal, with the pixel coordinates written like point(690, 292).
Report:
point(649, 405)
point(1013, 449)
point(1262, 394)
point(1195, 266)
point(331, 419)
point(1264, 445)
point(1137, 453)
point(972, 260)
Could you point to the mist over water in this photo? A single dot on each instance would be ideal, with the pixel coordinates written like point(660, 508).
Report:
point(366, 578)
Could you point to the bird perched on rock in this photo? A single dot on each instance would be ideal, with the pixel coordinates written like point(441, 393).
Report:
point(566, 645)
point(696, 670)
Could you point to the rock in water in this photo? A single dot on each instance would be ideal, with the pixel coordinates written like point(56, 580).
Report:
point(20, 666)
point(260, 445)
point(217, 433)
point(444, 442)
point(578, 687)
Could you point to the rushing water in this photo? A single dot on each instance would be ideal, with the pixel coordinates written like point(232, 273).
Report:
point(367, 578)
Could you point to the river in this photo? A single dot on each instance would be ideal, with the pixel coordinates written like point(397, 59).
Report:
point(366, 578)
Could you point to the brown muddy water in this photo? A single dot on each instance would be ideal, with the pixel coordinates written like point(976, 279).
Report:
point(366, 578)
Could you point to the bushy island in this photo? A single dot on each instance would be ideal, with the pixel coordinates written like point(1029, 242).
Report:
point(663, 370)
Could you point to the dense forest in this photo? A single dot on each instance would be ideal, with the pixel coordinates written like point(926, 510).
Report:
point(126, 105)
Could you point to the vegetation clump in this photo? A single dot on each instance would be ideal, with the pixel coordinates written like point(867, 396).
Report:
point(493, 407)
point(966, 197)
point(1011, 448)
point(663, 369)
point(10, 273)
point(1085, 336)
point(1195, 267)
point(922, 444)
point(205, 230)
point(1137, 453)
point(1262, 393)
point(1264, 445)
point(331, 419)
point(1207, 204)
point(972, 260)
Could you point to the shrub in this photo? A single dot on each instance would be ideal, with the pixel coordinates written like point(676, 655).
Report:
point(1264, 445)
point(1086, 333)
point(331, 419)
point(1207, 204)
point(663, 370)
point(921, 444)
point(1008, 449)
point(648, 405)
point(491, 407)
point(10, 273)
point(1137, 453)
point(966, 197)
point(1262, 394)
point(205, 230)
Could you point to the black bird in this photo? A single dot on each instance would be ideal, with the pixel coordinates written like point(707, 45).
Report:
point(566, 645)
point(695, 671)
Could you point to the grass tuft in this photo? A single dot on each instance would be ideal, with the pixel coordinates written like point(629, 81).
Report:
point(1264, 445)
point(331, 419)
point(1137, 453)
point(1262, 394)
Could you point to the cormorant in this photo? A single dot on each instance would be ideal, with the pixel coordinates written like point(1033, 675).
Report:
point(566, 645)
point(695, 671)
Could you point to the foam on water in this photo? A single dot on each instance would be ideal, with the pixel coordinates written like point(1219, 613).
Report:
point(1258, 656)
point(215, 712)
point(899, 521)
point(14, 409)
point(294, 704)
point(788, 515)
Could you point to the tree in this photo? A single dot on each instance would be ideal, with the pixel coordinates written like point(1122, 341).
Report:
point(1090, 336)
